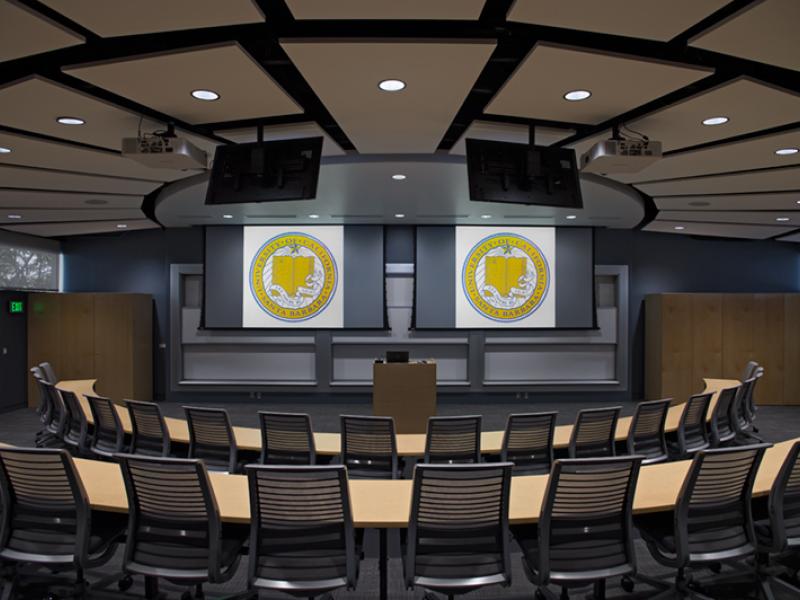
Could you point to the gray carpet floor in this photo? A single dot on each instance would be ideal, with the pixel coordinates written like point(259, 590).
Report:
point(775, 424)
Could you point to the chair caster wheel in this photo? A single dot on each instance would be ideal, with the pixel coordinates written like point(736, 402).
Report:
point(125, 583)
point(627, 584)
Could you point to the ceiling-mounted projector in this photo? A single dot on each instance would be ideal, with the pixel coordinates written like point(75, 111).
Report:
point(619, 155)
point(164, 150)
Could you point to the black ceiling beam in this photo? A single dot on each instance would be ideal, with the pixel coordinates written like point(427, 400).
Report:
point(258, 122)
point(737, 138)
point(712, 20)
point(49, 138)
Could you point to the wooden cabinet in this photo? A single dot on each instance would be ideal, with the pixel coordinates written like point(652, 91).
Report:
point(692, 336)
point(108, 337)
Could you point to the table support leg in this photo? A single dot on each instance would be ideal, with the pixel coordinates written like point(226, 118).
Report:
point(383, 563)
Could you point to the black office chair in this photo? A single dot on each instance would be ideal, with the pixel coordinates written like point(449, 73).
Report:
point(302, 540)
point(458, 536)
point(722, 416)
point(692, 433)
point(777, 525)
point(742, 422)
point(528, 442)
point(750, 403)
point(57, 417)
point(49, 373)
point(369, 447)
point(174, 527)
point(45, 436)
point(47, 519)
point(585, 530)
point(646, 434)
point(108, 437)
point(712, 522)
point(211, 438)
point(76, 431)
point(149, 433)
point(453, 440)
point(749, 370)
point(286, 439)
point(594, 432)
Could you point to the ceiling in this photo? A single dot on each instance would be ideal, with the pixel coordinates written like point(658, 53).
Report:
point(491, 70)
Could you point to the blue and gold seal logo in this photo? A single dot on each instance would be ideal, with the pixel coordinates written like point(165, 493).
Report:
point(293, 277)
point(505, 277)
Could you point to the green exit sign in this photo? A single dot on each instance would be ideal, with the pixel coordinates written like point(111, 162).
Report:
point(16, 307)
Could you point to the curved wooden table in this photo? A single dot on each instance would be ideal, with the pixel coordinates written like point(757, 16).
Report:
point(408, 444)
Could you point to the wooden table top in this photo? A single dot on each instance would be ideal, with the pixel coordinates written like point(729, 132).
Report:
point(387, 503)
point(408, 444)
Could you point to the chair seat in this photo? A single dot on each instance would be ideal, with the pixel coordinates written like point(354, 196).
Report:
point(230, 549)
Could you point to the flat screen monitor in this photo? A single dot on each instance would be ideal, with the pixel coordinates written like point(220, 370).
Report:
point(396, 356)
point(265, 171)
point(523, 174)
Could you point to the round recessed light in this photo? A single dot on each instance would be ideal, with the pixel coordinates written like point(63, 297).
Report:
point(486, 216)
point(392, 85)
point(398, 177)
point(399, 216)
point(207, 95)
point(679, 228)
point(715, 121)
point(782, 219)
point(576, 95)
point(572, 217)
point(4, 150)
point(227, 216)
point(14, 216)
point(70, 121)
point(121, 226)
point(786, 151)
point(313, 216)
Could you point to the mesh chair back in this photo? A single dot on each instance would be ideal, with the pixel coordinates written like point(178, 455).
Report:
point(740, 414)
point(646, 435)
point(108, 437)
point(45, 405)
point(49, 373)
point(77, 427)
point(749, 370)
point(149, 433)
point(453, 440)
point(286, 439)
point(528, 442)
point(713, 520)
point(722, 428)
point(211, 437)
point(784, 503)
point(57, 419)
point(369, 447)
point(692, 431)
point(47, 516)
point(593, 434)
point(458, 530)
point(585, 527)
point(750, 402)
point(301, 532)
point(173, 517)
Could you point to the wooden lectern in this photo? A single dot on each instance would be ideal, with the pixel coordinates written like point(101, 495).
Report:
point(405, 391)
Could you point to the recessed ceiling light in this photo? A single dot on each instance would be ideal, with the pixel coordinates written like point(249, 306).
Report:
point(121, 226)
point(227, 216)
point(4, 150)
point(313, 216)
point(715, 121)
point(207, 95)
point(679, 228)
point(70, 121)
point(14, 216)
point(399, 216)
point(572, 217)
point(782, 219)
point(576, 95)
point(786, 151)
point(392, 85)
point(486, 216)
point(398, 177)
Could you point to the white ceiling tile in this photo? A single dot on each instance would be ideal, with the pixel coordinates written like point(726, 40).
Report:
point(618, 84)
point(649, 19)
point(755, 232)
point(25, 199)
point(764, 31)
point(26, 32)
point(345, 76)
point(386, 9)
point(39, 179)
point(774, 180)
point(109, 18)
point(246, 90)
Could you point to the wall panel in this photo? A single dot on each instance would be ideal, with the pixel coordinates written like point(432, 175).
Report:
point(769, 346)
point(706, 338)
point(791, 349)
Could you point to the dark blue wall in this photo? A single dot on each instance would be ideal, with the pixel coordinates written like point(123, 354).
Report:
point(139, 262)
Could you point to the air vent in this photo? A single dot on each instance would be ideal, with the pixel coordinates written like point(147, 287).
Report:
point(95, 201)
point(699, 203)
